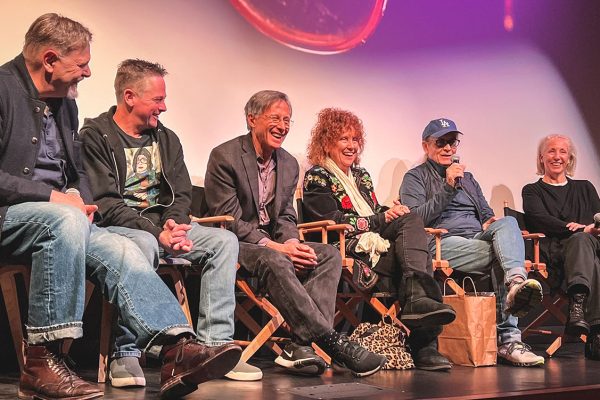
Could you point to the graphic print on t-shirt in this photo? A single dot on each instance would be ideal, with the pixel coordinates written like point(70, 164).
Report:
point(143, 176)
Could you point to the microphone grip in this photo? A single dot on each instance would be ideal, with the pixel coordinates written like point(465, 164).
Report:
point(597, 221)
point(458, 179)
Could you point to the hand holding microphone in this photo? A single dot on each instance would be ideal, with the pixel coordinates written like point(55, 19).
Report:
point(455, 173)
point(594, 229)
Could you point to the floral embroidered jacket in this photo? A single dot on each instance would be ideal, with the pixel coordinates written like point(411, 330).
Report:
point(324, 197)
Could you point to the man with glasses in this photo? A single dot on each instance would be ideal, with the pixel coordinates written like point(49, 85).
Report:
point(447, 197)
point(143, 190)
point(253, 179)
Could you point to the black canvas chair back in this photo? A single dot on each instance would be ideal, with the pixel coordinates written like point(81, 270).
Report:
point(199, 207)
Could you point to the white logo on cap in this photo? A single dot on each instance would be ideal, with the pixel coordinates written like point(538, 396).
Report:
point(444, 123)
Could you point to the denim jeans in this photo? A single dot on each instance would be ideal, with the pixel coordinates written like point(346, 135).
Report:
point(306, 301)
point(63, 248)
point(498, 250)
point(216, 252)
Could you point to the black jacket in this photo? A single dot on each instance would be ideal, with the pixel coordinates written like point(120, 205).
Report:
point(104, 160)
point(21, 115)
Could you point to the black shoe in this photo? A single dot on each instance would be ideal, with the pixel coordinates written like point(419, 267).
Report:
point(351, 355)
point(423, 348)
point(576, 323)
point(423, 306)
point(429, 359)
point(592, 345)
point(301, 360)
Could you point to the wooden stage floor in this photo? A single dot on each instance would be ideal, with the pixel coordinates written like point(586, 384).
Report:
point(565, 376)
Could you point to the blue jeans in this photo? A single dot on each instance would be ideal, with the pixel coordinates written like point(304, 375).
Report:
point(216, 252)
point(63, 248)
point(498, 250)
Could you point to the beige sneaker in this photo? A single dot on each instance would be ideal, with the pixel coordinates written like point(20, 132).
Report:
point(523, 296)
point(518, 354)
point(244, 372)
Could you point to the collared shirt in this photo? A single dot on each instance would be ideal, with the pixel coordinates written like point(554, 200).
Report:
point(50, 164)
point(267, 178)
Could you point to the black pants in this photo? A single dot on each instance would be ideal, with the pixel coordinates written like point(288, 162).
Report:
point(408, 248)
point(307, 300)
point(582, 267)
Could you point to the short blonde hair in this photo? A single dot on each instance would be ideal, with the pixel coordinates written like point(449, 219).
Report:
point(572, 163)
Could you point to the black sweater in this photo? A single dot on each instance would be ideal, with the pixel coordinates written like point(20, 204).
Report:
point(544, 212)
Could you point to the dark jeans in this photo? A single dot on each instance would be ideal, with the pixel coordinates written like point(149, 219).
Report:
point(582, 267)
point(306, 301)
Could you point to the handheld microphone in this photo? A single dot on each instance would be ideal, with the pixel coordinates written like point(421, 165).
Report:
point(597, 221)
point(458, 179)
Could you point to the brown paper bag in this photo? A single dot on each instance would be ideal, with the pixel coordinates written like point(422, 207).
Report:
point(471, 338)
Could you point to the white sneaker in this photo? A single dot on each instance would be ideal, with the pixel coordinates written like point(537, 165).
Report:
point(518, 354)
point(244, 372)
point(523, 296)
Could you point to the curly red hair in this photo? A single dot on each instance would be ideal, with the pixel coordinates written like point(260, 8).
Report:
point(331, 124)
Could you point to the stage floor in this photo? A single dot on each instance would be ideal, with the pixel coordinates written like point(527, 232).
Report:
point(567, 375)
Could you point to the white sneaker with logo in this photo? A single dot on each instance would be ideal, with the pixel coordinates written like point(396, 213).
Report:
point(301, 359)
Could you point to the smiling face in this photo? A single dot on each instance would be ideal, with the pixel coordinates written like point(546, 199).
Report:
point(555, 158)
point(148, 101)
point(68, 70)
point(441, 155)
point(270, 128)
point(345, 149)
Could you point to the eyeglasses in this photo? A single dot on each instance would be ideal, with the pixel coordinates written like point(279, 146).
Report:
point(443, 142)
point(276, 120)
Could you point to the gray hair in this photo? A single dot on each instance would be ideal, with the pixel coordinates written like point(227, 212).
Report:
point(131, 73)
point(54, 30)
point(572, 163)
point(262, 100)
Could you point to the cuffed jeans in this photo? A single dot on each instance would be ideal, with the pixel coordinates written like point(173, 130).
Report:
point(216, 252)
point(498, 250)
point(63, 248)
point(306, 301)
point(582, 267)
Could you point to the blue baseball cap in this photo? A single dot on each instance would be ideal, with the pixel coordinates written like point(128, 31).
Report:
point(439, 127)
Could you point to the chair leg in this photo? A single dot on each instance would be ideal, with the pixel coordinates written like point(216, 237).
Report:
point(179, 285)
point(105, 340)
point(11, 300)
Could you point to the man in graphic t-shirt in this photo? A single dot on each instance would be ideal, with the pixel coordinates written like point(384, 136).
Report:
point(139, 180)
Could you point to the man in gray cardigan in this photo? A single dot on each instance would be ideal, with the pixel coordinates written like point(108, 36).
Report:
point(446, 196)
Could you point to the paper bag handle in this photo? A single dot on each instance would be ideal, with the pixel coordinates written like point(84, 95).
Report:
point(472, 283)
point(456, 287)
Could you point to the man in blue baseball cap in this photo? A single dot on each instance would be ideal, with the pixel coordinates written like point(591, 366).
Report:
point(447, 197)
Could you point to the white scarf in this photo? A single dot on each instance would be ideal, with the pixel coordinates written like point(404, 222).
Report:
point(368, 242)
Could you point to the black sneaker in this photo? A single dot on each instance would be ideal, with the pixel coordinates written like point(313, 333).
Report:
point(351, 355)
point(301, 360)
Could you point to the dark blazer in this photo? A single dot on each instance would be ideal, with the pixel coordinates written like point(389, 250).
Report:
point(231, 188)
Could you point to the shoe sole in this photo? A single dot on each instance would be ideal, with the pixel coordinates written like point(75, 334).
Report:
point(213, 368)
point(127, 382)
point(29, 395)
point(577, 329)
point(303, 366)
point(518, 364)
point(435, 368)
point(244, 376)
point(361, 374)
point(434, 318)
point(525, 299)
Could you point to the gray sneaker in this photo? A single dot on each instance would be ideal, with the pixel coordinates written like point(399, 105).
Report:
point(126, 371)
point(518, 354)
point(244, 372)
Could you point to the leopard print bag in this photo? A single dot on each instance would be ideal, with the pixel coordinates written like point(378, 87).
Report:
point(386, 339)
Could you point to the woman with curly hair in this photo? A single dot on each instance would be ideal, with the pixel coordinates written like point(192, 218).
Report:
point(386, 241)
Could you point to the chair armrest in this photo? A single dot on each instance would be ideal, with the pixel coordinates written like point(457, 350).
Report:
point(533, 235)
point(339, 227)
point(213, 220)
point(435, 231)
point(316, 224)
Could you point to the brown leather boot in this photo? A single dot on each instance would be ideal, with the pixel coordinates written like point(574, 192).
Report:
point(46, 376)
point(188, 363)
